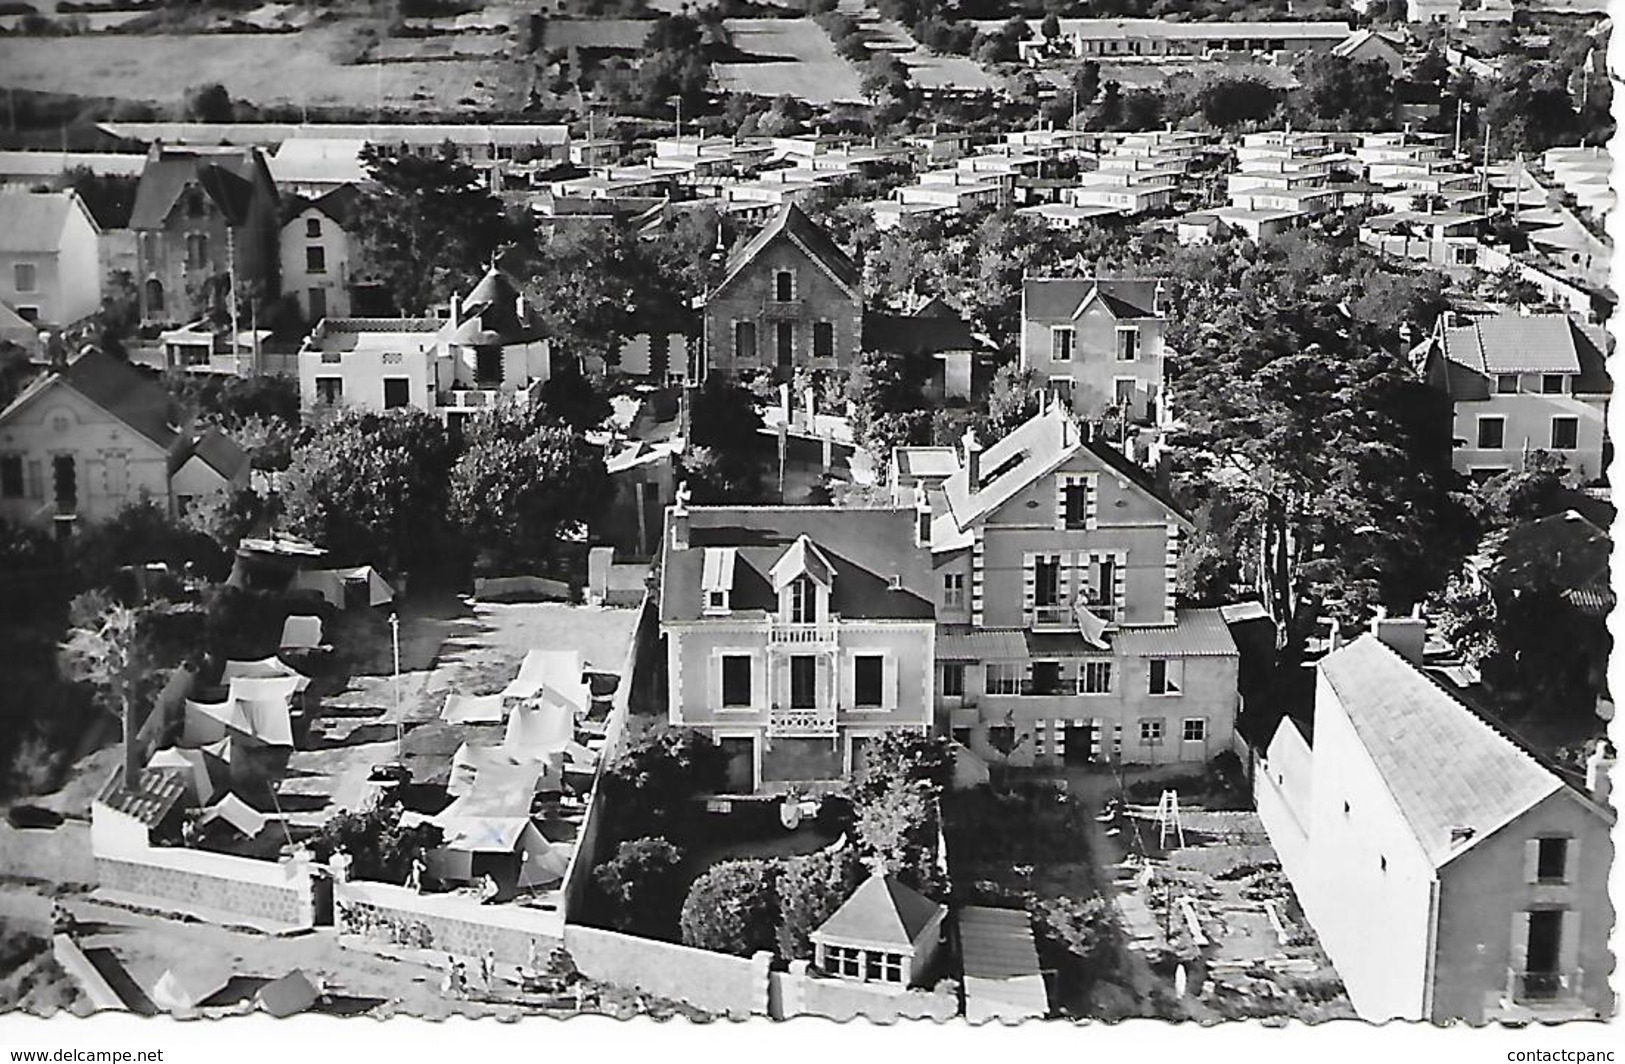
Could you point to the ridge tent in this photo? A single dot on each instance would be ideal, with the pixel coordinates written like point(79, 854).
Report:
point(203, 772)
point(333, 585)
point(269, 721)
point(561, 673)
point(184, 991)
point(497, 785)
point(266, 688)
point(523, 856)
point(271, 668)
point(248, 821)
point(208, 722)
point(472, 709)
point(301, 633)
point(539, 729)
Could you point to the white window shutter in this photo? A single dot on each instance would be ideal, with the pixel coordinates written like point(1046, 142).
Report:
point(824, 681)
point(713, 678)
point(1531, 860)
point(1568, 947)
point(758, 681)
point(849, 696)
point(1519, 954)
point(1571, 862)
point(1060, 501)
point(889, 664)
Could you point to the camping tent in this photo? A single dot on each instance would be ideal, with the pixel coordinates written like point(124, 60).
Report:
point(301, 633)
point(969, 769)
point(293, 993)
point(469, 761)
point(204, 773)
point(559, 673)
point(330, 584)
point(208, 722)
point(539, 729)
point(490, 781)
point(248, 821)
point(536, 862)
point(269, 721)
point(472, 709)
point(184, 989)
point(270, 668)
point(266, 688)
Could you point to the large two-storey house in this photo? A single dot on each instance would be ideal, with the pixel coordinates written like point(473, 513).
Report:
point(790, 298)
point(793, 634)
point(1054, 561)
point(1520, 383)
point(1097, 343)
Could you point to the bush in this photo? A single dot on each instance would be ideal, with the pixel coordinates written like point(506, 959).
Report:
point(899, 757)
point(381, 850)
point(733, 908)
point(650, 784)
point(810, 889)
point(639, 884)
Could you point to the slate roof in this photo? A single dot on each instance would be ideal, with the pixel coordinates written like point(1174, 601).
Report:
point(339, 204)
point(229, 178)
point(1060, 298)
point(157, 793)
point(792, 223)
point(33, 222)
point(882, 911)
point(117, 387)
point(866, 548)
point(491, 313)
point(935, 329)
point(1445, 767)
point(218, 451)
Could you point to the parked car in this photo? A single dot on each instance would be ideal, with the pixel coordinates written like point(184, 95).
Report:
point(392, 773)
point(32, 816)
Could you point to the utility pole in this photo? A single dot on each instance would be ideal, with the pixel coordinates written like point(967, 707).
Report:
point(1459, 103)
point(395, 643)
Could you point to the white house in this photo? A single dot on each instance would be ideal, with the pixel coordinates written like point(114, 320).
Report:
point(318, 253)
point(49, 268)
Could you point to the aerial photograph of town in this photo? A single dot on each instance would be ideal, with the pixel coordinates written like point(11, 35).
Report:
point(939, 513)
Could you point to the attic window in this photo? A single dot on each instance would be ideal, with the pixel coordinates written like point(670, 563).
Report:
point(1001, 469)
point(1459, 835)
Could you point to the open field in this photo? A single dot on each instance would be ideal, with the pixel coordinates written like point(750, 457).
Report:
point(627, 33)
point(925, 69)
point(791, 57)
point(277, 68)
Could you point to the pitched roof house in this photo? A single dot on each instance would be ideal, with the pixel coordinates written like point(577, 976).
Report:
point(1097, 342)
point(1448, 872)
point(1521, 383)
point(49, 271)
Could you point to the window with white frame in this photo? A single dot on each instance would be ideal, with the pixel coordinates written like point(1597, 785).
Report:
point(716, 602)
point(736, 681)
point(1095, 678)
point(1062, 340)
point(953, 590)
point(1195, 730)
point(868, 681)
point(1165, 676)
point(952, 684)
point(1003, 678)
point(843, 960)
point(1151, 731)
point(1128, 343)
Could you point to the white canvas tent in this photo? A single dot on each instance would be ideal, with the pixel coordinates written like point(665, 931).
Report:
point(185, 989)
point(293, 993)
point(556, 675)
point(269, 721)
point(204, 773)
point(969, 769)
point(538, 863)
point(271, 668)
point(488, 781)
point(539, 729)
point(208, 722)
point(472, 709)
point(248, 821)
point(301, 633)
point(266, 688)
point(329, 583)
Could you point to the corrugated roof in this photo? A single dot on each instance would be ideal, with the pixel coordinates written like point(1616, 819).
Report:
point(1194, 634)
point(963, 643)
point(1002, 977)
point(882, 911)
point(1445, 767)
point(32, 222)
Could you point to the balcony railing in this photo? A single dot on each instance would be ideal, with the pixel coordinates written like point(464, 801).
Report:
point(820, 633)
point(1544, 988)
point(1058, 616)
point(813, 723)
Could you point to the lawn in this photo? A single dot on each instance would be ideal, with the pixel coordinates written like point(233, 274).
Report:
point(788, 57)
point(274, 68)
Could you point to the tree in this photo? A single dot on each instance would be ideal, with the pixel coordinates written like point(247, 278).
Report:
point(519, 483)
point(428, 226)
point(587, 282)
point(653, 779)
point(727, 446)
point(568, 398)
point(1335, 92)
point(888, 409)
point(810, 889)
point(380, 850)
point(733, 908)
point(1050, 27)
point(106, 649)
point(209, 103)
point(898, 828)
point(1012, 399)
point(640, 884)
point(369, 485)
point(1231, 101)
point(109, 197)
point(900, 758)
point(1082, 940)
point(1541, 488)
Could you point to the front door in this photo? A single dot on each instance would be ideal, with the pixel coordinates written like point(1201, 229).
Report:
point(1080, 744)
point(786, 343)
point(66, 480)
point(1545, 943)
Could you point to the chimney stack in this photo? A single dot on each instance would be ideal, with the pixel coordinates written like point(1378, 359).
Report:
point(922, 517)
point(973, 459)
point(1407, 636)
point(1598, 765)
point(679, 518)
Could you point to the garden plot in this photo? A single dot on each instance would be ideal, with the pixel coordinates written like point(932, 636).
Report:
point(787, 57)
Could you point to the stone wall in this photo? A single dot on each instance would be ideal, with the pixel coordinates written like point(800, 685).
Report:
point(716, 982)
point(800, 993)
point(387, 915)
point(210, 885)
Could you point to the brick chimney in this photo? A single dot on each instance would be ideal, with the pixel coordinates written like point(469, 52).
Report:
point(1405, 635)
point(1598, 765)
point(679, 518)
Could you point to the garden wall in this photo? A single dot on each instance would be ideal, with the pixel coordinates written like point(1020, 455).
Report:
point(799, 993)
point(446, 923)
point(521, 589)
point(274, 895)
point(716, 982)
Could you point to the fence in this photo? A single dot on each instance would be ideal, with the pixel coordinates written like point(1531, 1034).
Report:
point(277, 896)
point(388, 915)
point(716, 982)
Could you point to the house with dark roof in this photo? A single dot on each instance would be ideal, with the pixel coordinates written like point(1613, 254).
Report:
point(790, 297)
point(204, 464)
point(1449, 873)
point(956, 359)
point(796, 634)
point(320, 260)
point(886, 932)
point(490, 350)
point(49, 271)
point(1520, 383)
point(84, 440)
point(1097, 342)
point(1054, 560)
point(202, 213)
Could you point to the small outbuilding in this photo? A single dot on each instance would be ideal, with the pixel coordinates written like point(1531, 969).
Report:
point(886, 932)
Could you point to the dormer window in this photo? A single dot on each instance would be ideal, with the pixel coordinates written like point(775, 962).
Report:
point(717, 580)
point(716, 602)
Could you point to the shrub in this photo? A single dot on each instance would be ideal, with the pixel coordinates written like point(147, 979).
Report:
point(810, 889)
point(650, 783)
point(380, 849)
point(903, 757)
point(640, 886)
point(733, 908)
